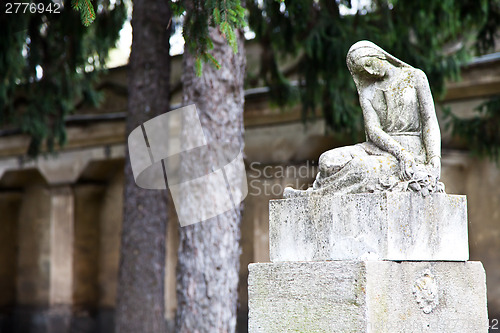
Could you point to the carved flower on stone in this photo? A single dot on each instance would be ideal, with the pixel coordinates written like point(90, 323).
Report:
point(425, 290)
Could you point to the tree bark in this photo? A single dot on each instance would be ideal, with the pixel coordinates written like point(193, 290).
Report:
point(208, 257)
point(140, 301)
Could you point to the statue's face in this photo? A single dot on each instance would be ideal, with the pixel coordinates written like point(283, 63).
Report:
point(374, 66)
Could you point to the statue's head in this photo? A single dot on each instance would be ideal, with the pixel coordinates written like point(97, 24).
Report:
point(365, 59)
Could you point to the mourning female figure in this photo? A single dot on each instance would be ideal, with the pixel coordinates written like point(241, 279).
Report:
point(402, 151)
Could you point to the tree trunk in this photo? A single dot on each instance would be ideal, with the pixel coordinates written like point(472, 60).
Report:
point(140, 301)
point(208, 257)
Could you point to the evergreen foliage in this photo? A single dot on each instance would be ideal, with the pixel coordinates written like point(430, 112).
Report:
point(481, 132)
point(227, 15)
point(437, 36)
point(49, 62)
point(433, 35)
point(86, 10)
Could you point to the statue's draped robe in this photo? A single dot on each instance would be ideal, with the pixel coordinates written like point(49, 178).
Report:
point(365, 167)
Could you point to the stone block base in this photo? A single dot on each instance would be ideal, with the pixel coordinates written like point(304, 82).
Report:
point(371, 226)
point(367, 296)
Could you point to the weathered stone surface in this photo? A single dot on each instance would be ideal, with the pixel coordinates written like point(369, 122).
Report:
point(369, 296)
point(374, 226)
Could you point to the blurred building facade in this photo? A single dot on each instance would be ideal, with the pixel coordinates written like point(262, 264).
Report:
point(61, 215)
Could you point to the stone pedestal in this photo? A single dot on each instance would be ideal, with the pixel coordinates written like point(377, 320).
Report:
point(427, 287)
point(382, 226)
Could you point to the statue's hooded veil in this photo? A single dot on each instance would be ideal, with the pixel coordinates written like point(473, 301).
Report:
point(366, 48)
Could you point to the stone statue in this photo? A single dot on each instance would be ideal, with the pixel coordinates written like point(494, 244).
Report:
point(402, 151)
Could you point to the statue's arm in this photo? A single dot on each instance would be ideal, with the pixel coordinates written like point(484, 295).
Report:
point(431, 134)
point(383, 140)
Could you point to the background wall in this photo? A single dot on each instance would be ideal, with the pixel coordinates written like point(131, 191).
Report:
point(61, 216)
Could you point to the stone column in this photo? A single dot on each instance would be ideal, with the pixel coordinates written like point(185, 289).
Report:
point(45, 259)
point(61, 258)
point(61, 243)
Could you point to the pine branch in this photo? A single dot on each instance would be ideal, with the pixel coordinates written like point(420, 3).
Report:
point(86, 9)
point(227, 15)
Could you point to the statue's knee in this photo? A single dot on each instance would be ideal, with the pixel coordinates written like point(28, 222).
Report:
point(333, 160)
point(324, 163)
point(323, 159)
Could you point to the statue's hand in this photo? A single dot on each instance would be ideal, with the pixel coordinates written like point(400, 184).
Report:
point(406, 165)
point(434, 167)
